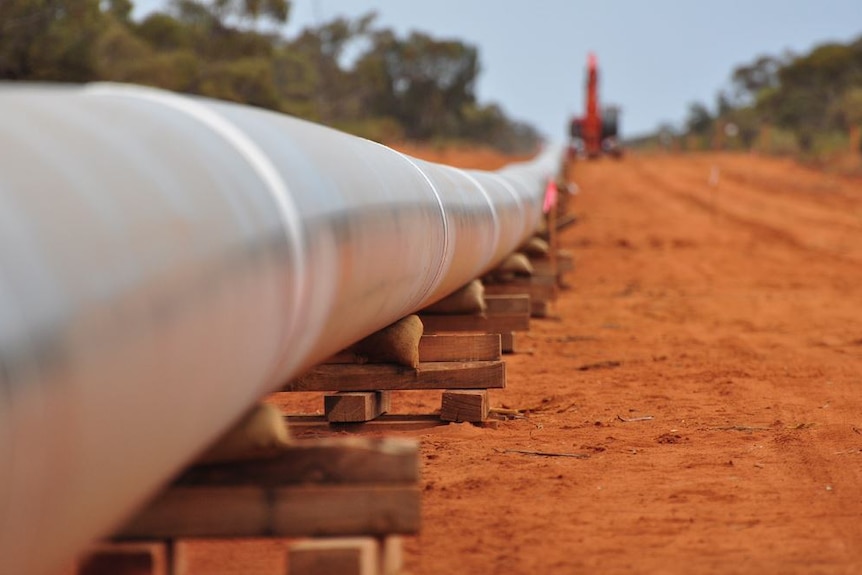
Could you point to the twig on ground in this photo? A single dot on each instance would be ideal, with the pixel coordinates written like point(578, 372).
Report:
point(600, 365)
point(544, 453)
point(739, 428)
point(502, 413)
point(635, 419)
point(568, 407)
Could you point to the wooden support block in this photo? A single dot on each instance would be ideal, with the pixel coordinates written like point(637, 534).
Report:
point(539, 308)
point(361, 487)
point(502, 304)
point(540, 279)
point(429, 375)
point(465, 405)
point(338, 461)
point(460, 347)
point(498, 323)
point(543, 267)
point(445, 347)
point(343, 556)
point(537, 290)
point(356, 406)
point(507, 342)
point(315, 425)
point(391, 555)
point(138, 558)
point(295, 511)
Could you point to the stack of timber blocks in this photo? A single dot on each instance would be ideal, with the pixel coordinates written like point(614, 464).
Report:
point(464, 365)
point(338, 505)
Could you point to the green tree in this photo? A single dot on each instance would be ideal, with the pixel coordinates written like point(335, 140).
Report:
point(850, 107)
point(295, 79)
point(747, 121)
point(49, 39)
point(750, 80)
point(120, 10)
point(242, 12)
point(699, 120)
point(810, 88)
point(165, 32)
point(338, 88)
point(345, 72)
point(247, 80)
point(426, 83)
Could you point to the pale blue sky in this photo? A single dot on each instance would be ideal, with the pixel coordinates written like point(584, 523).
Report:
point(655, 56)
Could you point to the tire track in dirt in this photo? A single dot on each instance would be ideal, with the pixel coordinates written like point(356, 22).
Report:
point(763, 208)
point(795, 457)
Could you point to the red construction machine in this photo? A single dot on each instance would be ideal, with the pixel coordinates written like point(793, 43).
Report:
point(596, 133)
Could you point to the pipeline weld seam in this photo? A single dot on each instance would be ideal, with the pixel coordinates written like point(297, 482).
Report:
point(494, 217)
point(438, 274)
point(507, 185)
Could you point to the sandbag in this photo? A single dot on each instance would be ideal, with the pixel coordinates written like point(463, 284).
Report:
point(260, 434)
point(470, 299)
point(397, 343)
point(536, 247)
point(517, 264)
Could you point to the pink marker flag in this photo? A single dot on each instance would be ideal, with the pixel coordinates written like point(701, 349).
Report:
point(550, 196)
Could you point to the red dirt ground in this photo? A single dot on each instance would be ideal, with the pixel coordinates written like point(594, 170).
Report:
point(706, 364)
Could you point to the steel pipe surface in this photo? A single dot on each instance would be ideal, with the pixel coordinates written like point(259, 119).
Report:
point(165, 261)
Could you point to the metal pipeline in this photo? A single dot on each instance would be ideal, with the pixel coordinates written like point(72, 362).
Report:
point(165, 261)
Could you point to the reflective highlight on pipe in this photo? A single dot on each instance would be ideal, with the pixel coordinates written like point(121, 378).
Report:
point(165, 261)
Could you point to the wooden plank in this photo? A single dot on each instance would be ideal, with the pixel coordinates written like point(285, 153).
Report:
point(465, 405)
point(499, 323)
point(335, 511)
point(445, 347)
point(356, 406)
point(539, 279)
point(544, 267)
point(429, 375)
point(128, 558)
point(536, 291)
point(391, 555)
point(507, 304)
point(295, 511)
point(539, 308)
point(507, 342)
point(341, 460)
point(334, 556)
point(315, 425)
point(460, 347)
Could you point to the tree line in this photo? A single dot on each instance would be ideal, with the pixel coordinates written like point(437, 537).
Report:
point(347, 73)
point(804, 103)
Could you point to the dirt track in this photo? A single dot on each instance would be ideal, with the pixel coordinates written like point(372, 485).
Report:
point(735, 314)
point(724, 324)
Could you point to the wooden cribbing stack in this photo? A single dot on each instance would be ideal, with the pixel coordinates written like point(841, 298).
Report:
point(540, 274)
point(504, 314)
point(473, 310)
point(518, 277)
point(564, 264)
point(455, 347)
point(463, 365)
point(354, 496)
